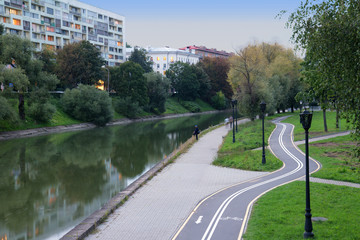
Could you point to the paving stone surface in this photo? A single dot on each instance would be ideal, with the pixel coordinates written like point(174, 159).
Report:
point(157, 210)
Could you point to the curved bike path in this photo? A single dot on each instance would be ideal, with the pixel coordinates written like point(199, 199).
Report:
point(224, 214)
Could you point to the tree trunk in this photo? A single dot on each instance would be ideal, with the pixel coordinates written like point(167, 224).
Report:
point(337, 117)
point(292, 109)
point(324, 117)
point(278, 110)
point(21, 106)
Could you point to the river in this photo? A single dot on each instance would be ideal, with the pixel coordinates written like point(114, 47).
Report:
point(49, 184)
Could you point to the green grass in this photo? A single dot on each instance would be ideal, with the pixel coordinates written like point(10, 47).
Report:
point(279, 214)
point(335, 156)
point(248, 137)
point(317, 125)
point(173, 106)
point(249, 160)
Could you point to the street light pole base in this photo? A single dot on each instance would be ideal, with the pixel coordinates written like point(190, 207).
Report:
point(308, 235)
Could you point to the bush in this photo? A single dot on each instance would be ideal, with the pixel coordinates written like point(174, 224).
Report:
point(40, 109)
point(86, 103)
point(192, 107)
point(127, 107)
point(219, 101)
point(41, 112)
point(6, 111)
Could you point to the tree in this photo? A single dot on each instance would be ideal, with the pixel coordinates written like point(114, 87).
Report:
point(48, 58)
point(128, 81)
point(217, 69)
point(158, 90)
point(139, 56)
point(204, 81)
point(328, 32)
point(247, 73)
point(184, 80)
point(79, 63)
point(15, 78)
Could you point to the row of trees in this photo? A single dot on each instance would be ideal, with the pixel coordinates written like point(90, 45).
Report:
point(328, 32)
point(134, 85)
point(265, 72)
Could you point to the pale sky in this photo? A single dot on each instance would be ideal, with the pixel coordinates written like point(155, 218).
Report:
point(225, 25)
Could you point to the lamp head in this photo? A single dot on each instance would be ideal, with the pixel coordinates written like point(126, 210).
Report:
point(305, 119)
point(263, 106)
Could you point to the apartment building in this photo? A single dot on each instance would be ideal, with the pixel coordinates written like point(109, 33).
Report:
point(54, 23)
point(163, 57)
point(207, 52)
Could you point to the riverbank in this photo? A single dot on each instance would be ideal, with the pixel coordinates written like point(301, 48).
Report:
point(84, 126)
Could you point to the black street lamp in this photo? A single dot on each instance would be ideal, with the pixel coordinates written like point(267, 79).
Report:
point(233, 103)
point(305, 120)
point(263, 107)
point(236, 114)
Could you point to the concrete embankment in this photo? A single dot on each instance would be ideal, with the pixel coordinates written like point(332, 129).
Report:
point(83, 126)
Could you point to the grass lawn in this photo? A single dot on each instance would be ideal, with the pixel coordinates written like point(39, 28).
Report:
point(335, 156)
point(317, 125)
point(239, 154)
point(280, 214)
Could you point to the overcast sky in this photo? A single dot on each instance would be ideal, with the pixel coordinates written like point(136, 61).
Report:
point(225, 25)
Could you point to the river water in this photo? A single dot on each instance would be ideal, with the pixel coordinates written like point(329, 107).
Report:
point(49, 184)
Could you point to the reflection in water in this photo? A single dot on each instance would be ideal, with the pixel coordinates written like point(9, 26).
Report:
point(49, 184)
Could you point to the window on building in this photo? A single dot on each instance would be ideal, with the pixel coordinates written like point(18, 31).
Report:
point(101, 39)
point(158, 66)
point(77, 26)
point(119, 44)
point(50, 38)
point(100, 16)
point(164, 58)
point(50, 29)
point(111, 56)
point(50, 11)
point(16, 22)
point(164, 67)
point(119, 29)
point(172, 59)
point(13, 11)
point(158, 58)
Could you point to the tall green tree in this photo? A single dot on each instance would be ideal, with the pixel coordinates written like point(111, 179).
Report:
point(328, 32)
point(15, 78)
point(184, 80)
point(139, 56)
point(128, 81)
point(158, 90)
point(79, 63)
point(217, 69)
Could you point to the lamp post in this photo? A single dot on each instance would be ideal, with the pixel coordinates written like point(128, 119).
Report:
point(233, 102)
point(236, 114)
point(305, 120)
point(263, 107)
point(108, 86)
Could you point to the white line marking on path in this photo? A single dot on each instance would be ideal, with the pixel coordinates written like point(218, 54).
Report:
point(218, 214)
point(199, 220)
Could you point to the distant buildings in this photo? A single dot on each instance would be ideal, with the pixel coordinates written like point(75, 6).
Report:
point(207, 52)
point(54, 23)
point(163, 57)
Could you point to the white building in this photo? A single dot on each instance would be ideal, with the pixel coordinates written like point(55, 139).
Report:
point(55, 23)
point(163, 57)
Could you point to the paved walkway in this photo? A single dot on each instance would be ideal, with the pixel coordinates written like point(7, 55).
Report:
point(157, 210)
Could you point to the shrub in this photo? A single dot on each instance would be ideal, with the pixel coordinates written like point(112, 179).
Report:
point(218, 101)
point(41, 112)
point(40, 109)
point(192, 107)
point(6, 111)
point(127, 107)
point(86, 103)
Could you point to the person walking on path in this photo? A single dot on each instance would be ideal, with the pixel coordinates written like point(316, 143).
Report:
point(196, 132)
